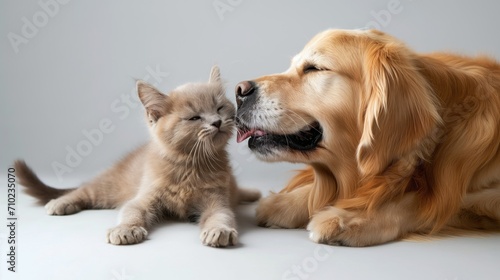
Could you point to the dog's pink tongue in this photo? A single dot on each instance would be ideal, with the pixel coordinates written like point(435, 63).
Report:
point(244, 134)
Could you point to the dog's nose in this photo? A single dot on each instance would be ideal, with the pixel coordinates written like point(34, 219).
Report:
point(244, 88)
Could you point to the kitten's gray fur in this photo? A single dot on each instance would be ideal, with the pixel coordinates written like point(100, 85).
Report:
point(183, 171)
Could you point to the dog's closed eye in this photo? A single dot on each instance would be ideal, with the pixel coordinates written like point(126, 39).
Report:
point(308, 68)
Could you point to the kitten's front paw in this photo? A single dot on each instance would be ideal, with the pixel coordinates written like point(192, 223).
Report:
point(125, 235)
point(219, 236)
point(61, 207)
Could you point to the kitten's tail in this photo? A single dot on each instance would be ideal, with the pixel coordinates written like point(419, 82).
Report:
point(34, 186)
point(248, 195)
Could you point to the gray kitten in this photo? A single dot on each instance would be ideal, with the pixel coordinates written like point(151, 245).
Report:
point(183, 172)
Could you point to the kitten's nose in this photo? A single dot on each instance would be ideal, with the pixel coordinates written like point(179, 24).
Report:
point(217, 123)
point(244, 88)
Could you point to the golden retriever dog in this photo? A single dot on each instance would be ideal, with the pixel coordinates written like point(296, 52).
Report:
point(396, 142)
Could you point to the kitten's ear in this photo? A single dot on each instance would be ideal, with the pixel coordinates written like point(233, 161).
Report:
point(155, 102)
point(215, 75)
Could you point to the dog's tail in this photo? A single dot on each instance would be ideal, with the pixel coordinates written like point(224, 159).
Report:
point(34, 186)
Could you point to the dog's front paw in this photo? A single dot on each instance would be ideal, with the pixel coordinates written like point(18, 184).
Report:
point(60, 207)
point(124, 235)
point(336, 226)
point(266, 213)
point(280, 211)
point(219, 236)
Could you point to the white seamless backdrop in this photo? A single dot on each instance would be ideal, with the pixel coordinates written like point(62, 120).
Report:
point(67, 68)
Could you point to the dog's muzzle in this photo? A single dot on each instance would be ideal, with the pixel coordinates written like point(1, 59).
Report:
point(263, 141)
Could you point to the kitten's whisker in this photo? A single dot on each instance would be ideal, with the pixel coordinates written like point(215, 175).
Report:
point(229, 122)
point(213, 156)
point(192, 156)
point(198, 154)
point(216, 157)
point(190, 152)
point(208, 158)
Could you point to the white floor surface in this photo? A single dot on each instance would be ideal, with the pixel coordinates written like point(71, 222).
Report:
point(74, 247)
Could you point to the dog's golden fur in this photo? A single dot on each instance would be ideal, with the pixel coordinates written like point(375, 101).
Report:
point(410, 141)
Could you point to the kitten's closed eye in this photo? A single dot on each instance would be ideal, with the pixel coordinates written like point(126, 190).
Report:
point(220, 108)
point(195, 118)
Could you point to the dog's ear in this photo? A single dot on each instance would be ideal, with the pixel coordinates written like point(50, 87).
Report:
point(155, 103)
point(397, 110)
